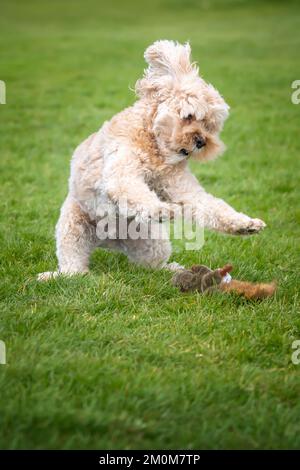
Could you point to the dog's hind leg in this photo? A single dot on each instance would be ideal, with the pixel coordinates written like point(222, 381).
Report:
point(152, 251)
point(148, 253)
point(75, 240)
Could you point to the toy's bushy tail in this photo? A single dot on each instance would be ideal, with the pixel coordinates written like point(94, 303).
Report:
point(248, 289)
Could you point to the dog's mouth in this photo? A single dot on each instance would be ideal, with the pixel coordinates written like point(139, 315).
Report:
point(184, 152)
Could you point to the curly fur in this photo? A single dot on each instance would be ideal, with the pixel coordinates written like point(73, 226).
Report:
point(141, 154)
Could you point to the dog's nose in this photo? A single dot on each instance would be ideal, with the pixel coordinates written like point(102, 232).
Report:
point(200, 142)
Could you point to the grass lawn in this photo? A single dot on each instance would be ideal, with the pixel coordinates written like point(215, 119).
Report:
point(120, 359)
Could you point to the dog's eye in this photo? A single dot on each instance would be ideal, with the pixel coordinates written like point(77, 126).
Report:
point(183, 152)
point(188, 118)
point(209, 125)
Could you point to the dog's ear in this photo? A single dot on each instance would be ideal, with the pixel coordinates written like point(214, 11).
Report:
point(163, 122)
point(169, 57)
point(217, 111)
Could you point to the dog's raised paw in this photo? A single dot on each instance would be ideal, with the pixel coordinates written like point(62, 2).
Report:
point(159, 214)
point(253, 226)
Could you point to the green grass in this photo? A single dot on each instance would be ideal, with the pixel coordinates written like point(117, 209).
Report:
point(120, 359)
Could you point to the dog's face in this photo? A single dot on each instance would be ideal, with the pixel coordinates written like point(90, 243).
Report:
point(185, 130)
point(189, 112)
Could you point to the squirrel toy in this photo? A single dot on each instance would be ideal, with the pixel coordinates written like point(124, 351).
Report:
point(202, 279)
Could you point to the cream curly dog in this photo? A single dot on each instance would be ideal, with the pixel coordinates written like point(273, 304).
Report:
point(141, 156)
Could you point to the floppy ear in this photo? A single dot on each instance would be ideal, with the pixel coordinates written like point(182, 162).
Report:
point(163, 122)
point(218, 109)
point(169, 57)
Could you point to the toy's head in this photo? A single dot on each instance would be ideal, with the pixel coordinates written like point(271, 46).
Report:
point(200, 278)
point(189, 112)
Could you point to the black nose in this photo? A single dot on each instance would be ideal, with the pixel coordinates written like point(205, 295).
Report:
point(200, 142)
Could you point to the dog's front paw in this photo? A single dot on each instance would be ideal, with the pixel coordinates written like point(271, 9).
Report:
point(162, 213)
point(159, 213)
point(250, 227)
